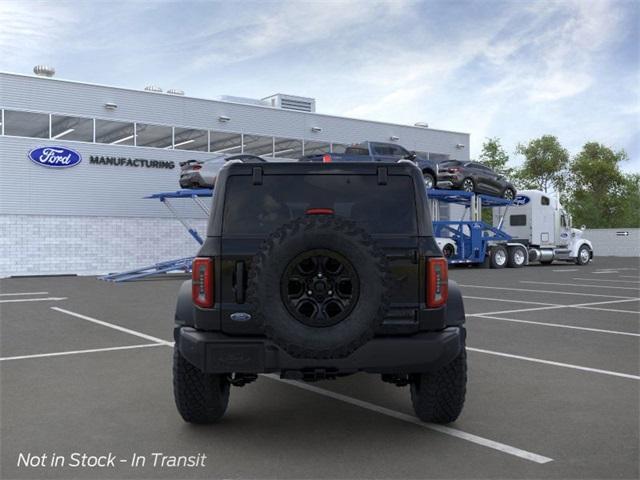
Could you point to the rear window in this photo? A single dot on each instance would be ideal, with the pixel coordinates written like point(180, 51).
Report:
point(260, 209)
point(356, 151)
point(450, 163)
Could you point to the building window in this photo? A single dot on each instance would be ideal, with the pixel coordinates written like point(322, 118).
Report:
point(190, 139)
point(287, 148)
point(316, 148)
point(71, 128)
point(114, 133)
point(26, 124)
point(224, 142)
point(258, 145)
point(157, 136)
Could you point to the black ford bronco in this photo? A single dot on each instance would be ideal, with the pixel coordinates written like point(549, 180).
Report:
point(316, 271)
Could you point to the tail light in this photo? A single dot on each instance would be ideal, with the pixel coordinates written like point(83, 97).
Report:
point(437, 282)
point(454, 170)
point(202, 282)
point(326, 158)
point(319, 211)
point(196, 167)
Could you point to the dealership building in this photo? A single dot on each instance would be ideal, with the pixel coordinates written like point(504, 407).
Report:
point(91, 217)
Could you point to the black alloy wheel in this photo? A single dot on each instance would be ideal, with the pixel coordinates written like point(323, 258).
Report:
point(467, 185)
point(320, 288)
point(508, 194)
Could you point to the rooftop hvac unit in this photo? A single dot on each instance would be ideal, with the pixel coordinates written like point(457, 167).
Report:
point(153, 88)
point(44, 71)
point(175, 91)
point(291, 102)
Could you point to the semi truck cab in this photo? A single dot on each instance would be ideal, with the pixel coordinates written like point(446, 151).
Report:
point(538, 221)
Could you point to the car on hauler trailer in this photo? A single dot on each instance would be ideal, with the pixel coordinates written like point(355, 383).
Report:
point(316, 271)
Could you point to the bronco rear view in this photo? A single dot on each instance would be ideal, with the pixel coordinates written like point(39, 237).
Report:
point(315, 271)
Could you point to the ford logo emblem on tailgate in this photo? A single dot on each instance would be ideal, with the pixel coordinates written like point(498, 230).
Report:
point(55, 157)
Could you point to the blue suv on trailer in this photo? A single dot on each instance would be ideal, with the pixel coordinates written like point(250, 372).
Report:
point(316, 271)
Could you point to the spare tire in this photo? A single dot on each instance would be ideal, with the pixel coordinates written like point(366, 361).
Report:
point(319, 287)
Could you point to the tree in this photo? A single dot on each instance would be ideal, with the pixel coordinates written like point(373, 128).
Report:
point(545, 164)
point(495, 157)
point(601, 195)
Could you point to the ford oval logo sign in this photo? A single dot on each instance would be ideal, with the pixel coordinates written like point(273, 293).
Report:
point(521, 200)
point(55, 157)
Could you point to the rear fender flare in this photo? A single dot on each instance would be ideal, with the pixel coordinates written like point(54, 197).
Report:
point(455, 306)
point(184, 306)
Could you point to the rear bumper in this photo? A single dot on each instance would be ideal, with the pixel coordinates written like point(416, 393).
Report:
point(191, 179)
point(214, 352)
point(451, 180)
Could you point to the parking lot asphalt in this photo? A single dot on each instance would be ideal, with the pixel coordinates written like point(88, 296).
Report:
point(554, 388)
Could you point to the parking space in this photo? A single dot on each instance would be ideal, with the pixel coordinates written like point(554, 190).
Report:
point(553, 389)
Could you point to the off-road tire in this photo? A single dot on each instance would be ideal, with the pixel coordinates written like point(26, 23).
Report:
point(305, 234)
point(200, 397)
point(438, 397)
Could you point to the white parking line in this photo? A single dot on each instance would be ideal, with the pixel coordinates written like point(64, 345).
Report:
point(485, 442)
point(604, 280)
point(23, 293)
point(567, 270)
point(47, 299)
point(466, 297)
point(74, 352)
point(115, 327)
point(557, 364)
point(551, 306)
point(558, 325)
point(582, 285)
point(628, 276)
point(531, 290)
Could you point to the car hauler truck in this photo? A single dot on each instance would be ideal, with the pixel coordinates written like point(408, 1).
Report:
point(538, 221)
point(532, 228)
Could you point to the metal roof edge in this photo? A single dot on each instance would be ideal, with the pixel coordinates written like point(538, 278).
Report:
point(145, 92)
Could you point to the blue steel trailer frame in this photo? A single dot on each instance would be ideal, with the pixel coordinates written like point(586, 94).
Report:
point(178, 264)
point(473, 238)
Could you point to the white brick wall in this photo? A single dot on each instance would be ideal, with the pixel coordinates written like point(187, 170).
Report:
point(45, 245)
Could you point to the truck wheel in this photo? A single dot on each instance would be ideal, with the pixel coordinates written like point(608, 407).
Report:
point(200, 397)
point(498, 257)
point(319, 287)
point(517, 257)
point(584, 255)
point(438, 397)
point(429, 181)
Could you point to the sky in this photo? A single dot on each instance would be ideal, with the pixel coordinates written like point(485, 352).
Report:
point(509, 69)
